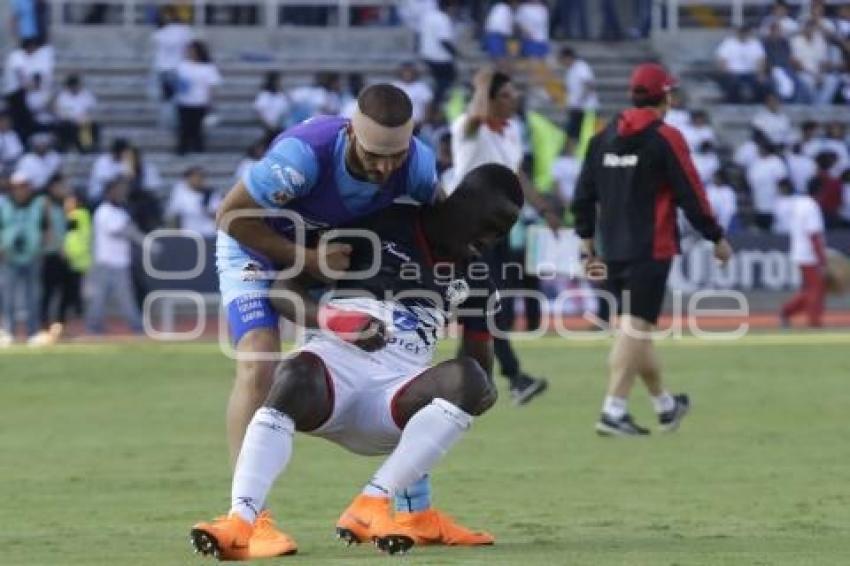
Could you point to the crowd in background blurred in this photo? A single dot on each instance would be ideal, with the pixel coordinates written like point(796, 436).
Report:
point(66, 250)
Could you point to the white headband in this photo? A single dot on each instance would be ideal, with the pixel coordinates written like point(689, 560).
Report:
point(379, 139)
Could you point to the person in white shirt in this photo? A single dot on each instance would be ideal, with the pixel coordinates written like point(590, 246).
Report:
point(677, 115)
point(808, 251)
point(498, 28)
point(169, 44)
point(197, 76)
point(802, 168)
point(272, 106)
point(741, 59)
point(811, 50)
point(706, 161)
point(779, 15)
point(723, 200)
point(698, 130)
point(772, 121)
point(417, 90)
point(836, 142)
point(11, 147)
point(579, 81)
point(106, 168)
point(532, 19)
point(763, 177)
point(253, 154)
point(27, 72)
point(193, 204)
point(110, 274)
point(489, 132)
point(321, 97)
point(437, 47)
point(75, 108)
point(41, 162)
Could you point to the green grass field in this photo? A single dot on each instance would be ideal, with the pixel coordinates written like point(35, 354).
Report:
point(110, 453)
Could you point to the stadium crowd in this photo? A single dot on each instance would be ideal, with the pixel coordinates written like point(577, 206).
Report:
point(54, 236)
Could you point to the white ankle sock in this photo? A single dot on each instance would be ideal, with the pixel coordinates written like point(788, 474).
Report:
point(663, 403)
point(265, 452)
point(615, 407)
point(429, 434)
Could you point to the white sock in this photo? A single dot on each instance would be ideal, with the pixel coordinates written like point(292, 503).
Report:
point(264, 455)
point(615, 407)
point(429, 434)
point(663, 403)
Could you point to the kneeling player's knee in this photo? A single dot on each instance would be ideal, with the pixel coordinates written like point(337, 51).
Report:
point(300, 391)
point(478, 393)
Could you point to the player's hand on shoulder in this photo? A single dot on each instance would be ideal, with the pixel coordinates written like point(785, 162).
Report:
point(723, 251)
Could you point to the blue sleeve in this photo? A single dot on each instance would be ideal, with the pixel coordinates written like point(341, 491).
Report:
point(423, 182)
point(287, 171)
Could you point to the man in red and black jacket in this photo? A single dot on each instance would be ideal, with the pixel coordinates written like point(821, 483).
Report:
point(637, 172)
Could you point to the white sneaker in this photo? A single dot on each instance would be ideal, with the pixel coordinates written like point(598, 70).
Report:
point(6, 339)
point(40, 339)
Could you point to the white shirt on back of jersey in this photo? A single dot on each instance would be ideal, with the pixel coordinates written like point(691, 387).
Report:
point(763, 176)
point(803, 218)
point(486, 145)
point(111, 244)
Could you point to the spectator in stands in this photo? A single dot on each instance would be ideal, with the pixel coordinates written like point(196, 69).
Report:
point(75, 107)
point(272, 106)
point(29, 20)
point(783, 69)
point(748, 151)
point(22, 224)
point(41, 162)
point(780, 17)
point(416, 89)
point(197, 76)
point(532, 20)
point(437, 47)
point(26, 69)
point(723, 200)
point(706, 161)
point(642, 10)
point(253, 154)
point(110, 275)
point(315, 99)
point(827, 189)
point(435, 125)
point(570, 19)
point(349, 96)
point(169, 42)
point(741, 59)
point(106, 168)
point(764, 174)
point(611, 28)
point(808, 251)
point(811, 140)
point(39, 97)
point(54, 267)
point(140, 173)
point(565, 172)
point(580, 83)
point(193, 204)
point(836, 142)
point(699, 130)
point(772, 121)
point(801, 167)
point(810, 49)
point(11, 147)
point(498, 29)
point(677, 114)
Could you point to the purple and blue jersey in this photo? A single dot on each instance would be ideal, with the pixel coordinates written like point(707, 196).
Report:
point(304, 172)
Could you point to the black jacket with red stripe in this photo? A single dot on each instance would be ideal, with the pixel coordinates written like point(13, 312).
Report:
point(637, 171)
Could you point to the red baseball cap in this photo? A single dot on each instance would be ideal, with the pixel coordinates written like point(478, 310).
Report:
point(653, 78)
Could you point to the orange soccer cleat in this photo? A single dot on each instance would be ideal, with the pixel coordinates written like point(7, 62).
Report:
point(370, 518)
point(435, 527)
point(268, 541)
point(225, 538)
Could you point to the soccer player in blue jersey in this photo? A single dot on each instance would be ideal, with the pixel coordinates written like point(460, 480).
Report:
point(323, 173)
point(367, 382)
